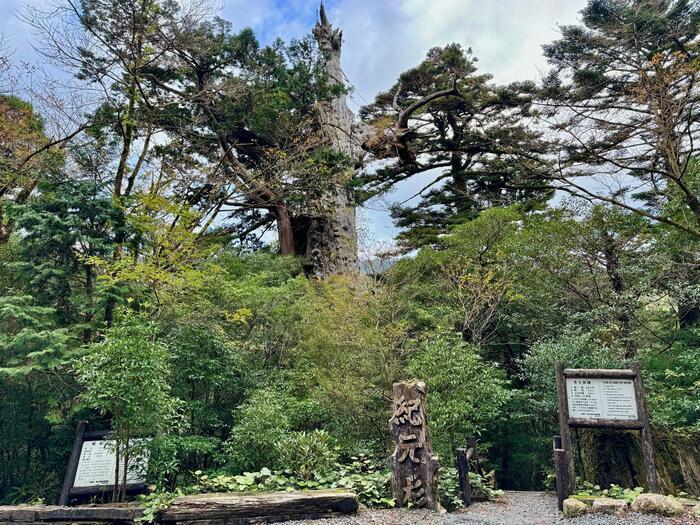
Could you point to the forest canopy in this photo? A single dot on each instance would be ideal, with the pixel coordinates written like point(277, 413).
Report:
point(179, 257)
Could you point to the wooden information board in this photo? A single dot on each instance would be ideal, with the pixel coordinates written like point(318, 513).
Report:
point(599, 398)
point(91, 468)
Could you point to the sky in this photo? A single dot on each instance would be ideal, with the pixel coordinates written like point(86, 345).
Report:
point(382, 38)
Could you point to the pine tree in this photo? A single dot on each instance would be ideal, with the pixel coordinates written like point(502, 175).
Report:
point(623, 101)
point(467, 140)
point(61, 229)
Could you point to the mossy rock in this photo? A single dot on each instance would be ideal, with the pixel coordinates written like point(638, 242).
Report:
point(609, 505)
point(658, 504)
point(574, 508)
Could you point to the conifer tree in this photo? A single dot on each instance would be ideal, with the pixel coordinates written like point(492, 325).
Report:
point(465, 142)
point(623, 101)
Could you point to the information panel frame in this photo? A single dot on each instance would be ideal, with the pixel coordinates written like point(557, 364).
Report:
point(572, 374)
point(69, 491)
point(598, 418)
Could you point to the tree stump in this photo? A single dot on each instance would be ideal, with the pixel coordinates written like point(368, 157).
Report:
point(413, 465)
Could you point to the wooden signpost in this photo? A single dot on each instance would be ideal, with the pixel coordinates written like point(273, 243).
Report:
point(91, 467)
point(413, 465)
point(599, 398)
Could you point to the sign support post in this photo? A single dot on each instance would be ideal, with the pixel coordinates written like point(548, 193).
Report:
point(72, 463)
point(647, 448)
point(568, 484)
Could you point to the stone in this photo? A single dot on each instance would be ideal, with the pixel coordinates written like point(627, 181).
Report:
point(574, 508)
point(696, 511)
point(657, 504)
point(609, 505)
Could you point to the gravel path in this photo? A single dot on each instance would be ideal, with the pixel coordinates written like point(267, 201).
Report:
point(515, 508)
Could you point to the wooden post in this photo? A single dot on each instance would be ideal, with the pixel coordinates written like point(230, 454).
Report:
point(463, 474)
point(413, 465)
point(568, 482)
point(561, 471)
point(647, 448)
point(72, 463)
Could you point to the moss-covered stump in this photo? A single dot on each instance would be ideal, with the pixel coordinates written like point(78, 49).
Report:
point(606, 457)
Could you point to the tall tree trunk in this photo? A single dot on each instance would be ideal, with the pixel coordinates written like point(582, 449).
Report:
point(285, 231)
point(332, 238)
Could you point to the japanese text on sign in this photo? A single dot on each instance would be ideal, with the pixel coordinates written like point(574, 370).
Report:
point(601, 398)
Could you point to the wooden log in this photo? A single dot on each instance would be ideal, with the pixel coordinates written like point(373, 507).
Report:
point(597, 373)
point(257, 507)
point(117, 514)
point(413, 465)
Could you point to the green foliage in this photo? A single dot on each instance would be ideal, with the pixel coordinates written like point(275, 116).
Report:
point(344, 362)
point(125, 377)
point(307, 453)
point(576, 350)
point(362, 476)
point(260, 423)
point(154, 504)
point(29, 338)
point(614, 492)
point(673, 385)
point(174, 455)
point(466, 394)
point(68, 223)
point(451, 495)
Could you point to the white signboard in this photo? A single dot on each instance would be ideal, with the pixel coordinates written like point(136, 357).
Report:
point(98, 461)
point(601, 399)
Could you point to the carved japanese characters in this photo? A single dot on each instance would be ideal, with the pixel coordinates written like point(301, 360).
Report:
point(414, 467)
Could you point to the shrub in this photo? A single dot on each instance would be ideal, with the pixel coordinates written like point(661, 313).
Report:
point(126, 377)
point(363, 476)
point(171, 455)
point(307, 453)
point(465, 393)
point(260, 423)
point(483, 488)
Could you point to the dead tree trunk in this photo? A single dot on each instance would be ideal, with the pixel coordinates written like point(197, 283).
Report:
point(413, 465)
point(331, 247)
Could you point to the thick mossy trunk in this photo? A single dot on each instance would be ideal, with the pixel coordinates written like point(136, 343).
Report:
point(605, 457)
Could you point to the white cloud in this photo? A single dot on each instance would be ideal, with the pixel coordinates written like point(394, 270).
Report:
point(384, 39)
